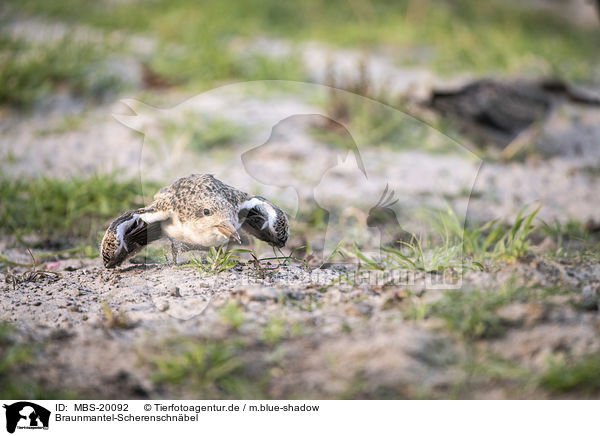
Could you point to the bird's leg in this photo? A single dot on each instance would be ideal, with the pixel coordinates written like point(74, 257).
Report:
point(174, 252)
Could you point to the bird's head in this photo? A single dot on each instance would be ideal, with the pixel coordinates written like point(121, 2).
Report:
point(221, 220)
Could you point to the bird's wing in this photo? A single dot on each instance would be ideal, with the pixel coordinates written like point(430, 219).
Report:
point(129, 233)
point(142, 226)
point(264, 220)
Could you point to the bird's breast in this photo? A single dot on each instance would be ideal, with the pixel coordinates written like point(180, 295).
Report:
point(194, 233)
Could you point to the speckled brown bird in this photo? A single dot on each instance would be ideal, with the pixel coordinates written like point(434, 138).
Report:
point(195, 212)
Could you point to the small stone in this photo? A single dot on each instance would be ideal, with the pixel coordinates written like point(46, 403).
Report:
point(294, 295)
point(522, 313)
point(260, 293)
point(590, 303)
point(590, 299)
point(360, 309)
point(394, 299)
point(175, 292)
point(60, 334)
point(364, 309)
point(162, 306)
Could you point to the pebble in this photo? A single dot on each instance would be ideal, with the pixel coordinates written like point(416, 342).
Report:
point(295, 295)
point(162, 306)
point(260, 293)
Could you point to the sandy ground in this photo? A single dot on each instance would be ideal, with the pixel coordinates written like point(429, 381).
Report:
point(103, 329)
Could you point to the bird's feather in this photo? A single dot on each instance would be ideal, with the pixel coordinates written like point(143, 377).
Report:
point(264, 220)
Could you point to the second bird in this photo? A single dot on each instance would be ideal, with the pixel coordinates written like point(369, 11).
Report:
point(195, 212)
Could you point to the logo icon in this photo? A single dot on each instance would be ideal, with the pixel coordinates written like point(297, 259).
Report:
point(26, 415)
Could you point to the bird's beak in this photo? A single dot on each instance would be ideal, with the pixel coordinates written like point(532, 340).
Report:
point(229, 231)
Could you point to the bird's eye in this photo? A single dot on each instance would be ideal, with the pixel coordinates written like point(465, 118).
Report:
point(206, 212)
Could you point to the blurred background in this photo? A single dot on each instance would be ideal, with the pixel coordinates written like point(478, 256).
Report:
point(96, 50)
point(66, 64)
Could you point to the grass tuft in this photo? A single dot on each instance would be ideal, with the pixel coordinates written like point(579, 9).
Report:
point(232, 314)
point(201, 133)
point(217, 260)
point(472, 314)
point(491, 241)
point(581, 375)
point(30, 73)
point(274, 331)
point(212, 369)
point(14, 357)
point(454, 246)
point(116, 320)
point(53, 209)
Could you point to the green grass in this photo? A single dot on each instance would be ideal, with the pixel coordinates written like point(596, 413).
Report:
point(238, 366)
point(571, 230)
point(210, 370)
point(491, 241)
point(579, 375)
point(485, 368)
point(453, 246)
point(232, 314)
point(274, 331)
point(412, 256)
point(376, 125)
point(438, 257)
point(373, 124)
point(11, 357)
point(473, 314)
point(55, 209)
point(195, 39)
point(573, 240)
point(67, 123)
point(202, 133)
point(14, 357)
point(573, 375)
point(217, 260)
point(30, 73)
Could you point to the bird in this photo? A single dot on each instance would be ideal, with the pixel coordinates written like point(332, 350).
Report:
point(504, 112)
point(195, 212)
